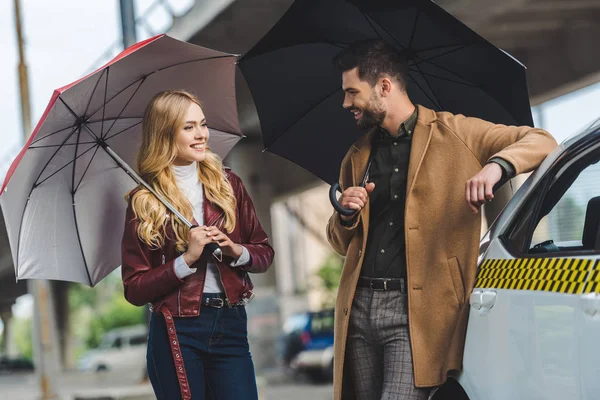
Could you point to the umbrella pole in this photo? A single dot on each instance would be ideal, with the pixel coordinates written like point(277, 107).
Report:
point(212, 248)
point(131, 172)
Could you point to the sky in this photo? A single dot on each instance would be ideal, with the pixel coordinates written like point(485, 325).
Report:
point(63, 41)
point(65, 38)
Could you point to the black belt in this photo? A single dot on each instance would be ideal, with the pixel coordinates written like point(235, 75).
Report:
point(218, 301)
point(382, 283)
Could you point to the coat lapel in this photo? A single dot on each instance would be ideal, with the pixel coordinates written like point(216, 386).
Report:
point(360, 158)
point(420, 142)
point(359, 161)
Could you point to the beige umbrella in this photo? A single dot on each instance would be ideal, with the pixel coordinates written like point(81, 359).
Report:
point(62, 198)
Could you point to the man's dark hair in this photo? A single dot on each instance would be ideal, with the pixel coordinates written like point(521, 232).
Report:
point(373, 57)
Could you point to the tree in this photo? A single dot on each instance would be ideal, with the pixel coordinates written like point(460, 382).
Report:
point(329, 274)
point(21, 332)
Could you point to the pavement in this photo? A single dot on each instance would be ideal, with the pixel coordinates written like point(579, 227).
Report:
point(273, 385)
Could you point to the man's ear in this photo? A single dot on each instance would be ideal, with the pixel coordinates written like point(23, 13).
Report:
point(386, 86)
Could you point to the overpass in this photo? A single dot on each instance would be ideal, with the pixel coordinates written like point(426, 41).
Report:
point(555, 39)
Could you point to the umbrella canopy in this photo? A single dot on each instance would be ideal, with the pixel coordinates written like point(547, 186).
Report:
point(62, 198)
point(297, 90)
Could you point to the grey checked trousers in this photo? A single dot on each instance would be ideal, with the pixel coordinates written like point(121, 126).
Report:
point(378, 349)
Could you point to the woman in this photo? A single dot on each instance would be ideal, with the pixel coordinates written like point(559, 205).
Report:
point(197, 345)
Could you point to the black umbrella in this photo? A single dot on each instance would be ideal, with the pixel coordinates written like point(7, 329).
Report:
point(297, 90)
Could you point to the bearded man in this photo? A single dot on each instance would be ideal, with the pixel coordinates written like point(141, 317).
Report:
point(411, 247)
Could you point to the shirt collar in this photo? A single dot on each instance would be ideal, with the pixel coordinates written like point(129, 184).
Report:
point(406, 128)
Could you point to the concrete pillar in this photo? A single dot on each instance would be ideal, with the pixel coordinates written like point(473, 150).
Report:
point(247, 161)
point(45, 338)
point(6, 318)
point(60, 292)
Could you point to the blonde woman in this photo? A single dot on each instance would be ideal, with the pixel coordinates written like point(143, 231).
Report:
point(198, 345)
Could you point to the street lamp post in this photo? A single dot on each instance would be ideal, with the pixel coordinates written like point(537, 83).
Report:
point(43, 336)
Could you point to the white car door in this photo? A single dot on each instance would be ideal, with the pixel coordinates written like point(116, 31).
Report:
point(535, 312)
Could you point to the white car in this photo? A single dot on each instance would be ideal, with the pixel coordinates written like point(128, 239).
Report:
point(534, 322)
point(122, 349)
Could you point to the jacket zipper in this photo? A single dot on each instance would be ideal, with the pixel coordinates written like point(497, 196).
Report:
point(223, 284)
point(213, 221)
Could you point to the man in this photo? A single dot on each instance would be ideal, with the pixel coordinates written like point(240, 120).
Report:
point(411, 249)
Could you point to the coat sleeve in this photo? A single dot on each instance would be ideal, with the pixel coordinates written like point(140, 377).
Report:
point(142, 282)
point(522, 146)
point(339, 235)
point(254, 238)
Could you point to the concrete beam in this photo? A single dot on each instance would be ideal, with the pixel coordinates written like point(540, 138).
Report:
point(200, 15)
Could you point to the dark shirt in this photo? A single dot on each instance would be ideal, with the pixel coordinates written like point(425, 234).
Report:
point(385, 253)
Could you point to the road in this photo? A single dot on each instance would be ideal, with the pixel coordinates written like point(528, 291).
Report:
point(81, 386)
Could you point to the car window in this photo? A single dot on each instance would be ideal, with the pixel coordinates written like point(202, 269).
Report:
point(565, 217)
point(295, 323)
point(322, 322)
point(117, 343)
point(138, 340)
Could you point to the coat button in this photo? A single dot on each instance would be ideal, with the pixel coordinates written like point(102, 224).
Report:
point(345, 311)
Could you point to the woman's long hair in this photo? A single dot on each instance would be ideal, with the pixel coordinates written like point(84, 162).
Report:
point(163, 118)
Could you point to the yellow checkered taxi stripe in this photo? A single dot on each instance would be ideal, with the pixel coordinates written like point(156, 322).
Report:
point(560, 275)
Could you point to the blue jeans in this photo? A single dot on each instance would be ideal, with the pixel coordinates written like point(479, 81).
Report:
point(215, 353)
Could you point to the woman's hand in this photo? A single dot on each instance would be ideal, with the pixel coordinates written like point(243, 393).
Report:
point(197, 238)
point(227, 246)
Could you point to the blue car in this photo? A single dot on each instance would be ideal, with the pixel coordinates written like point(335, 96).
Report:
point(307, 344)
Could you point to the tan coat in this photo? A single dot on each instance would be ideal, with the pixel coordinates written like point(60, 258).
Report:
point(442, 233)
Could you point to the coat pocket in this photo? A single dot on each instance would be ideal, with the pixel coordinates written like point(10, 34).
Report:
point(457, 281)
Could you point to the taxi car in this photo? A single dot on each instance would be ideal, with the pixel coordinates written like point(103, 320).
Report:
point(534, 322)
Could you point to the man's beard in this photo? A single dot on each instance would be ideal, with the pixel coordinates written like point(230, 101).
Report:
point(372, 115)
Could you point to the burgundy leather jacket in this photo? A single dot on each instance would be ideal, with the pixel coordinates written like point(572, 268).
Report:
point(149, 275)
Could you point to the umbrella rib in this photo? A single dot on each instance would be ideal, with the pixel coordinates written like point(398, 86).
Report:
point(87, 271)
point(444, 46)
point(368, 18)
point(159, 70)
point(125, 106)
point(86, 168)
point(92, 95)
point(104, 104)
point(424, 92)
point(439, 55)
point(29, 196)
point(58, 145)
point(73, 190)
point(49, 160)
point(70, 127)
point(414, 29)
point(63, 167)
point(302, 116)
point(446, 79)
point(430, 88)
point(124, 130)
point(460, 77)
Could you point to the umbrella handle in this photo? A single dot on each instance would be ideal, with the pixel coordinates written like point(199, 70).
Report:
point(336, 204)
point(212, 248)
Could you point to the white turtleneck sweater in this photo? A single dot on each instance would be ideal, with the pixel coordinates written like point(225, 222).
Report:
point(187, 180)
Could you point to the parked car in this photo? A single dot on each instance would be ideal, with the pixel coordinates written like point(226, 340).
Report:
point(15, 364)
point(316, 356)
point(121, 349)
point(534, 319)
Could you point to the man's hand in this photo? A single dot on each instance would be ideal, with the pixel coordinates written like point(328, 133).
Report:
point(478, 189)
point(355, 198)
